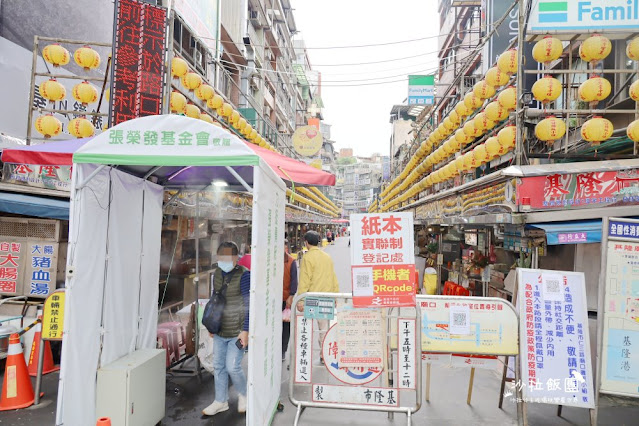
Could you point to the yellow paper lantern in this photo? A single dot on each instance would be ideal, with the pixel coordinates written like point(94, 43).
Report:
point(507, 137)
point(81, 128)
point(179, 67)
point(191, 80)
point(226, 110)
point(178, 102)
point(204, 92)
point(87, 58)
point(483, 90)
point(462, 109)
point(597, 130)
point(85, 93)
point(550, 129)
point(494, 148)
point(241, 124)
point(546, 89)
point(472, 101)
point(595, 48)
point(192, 111)
point(52, 90)
point(480, 153)
point(253, 134)
point(633, 92)
point(633, 131)
point(496, 112)
point(448, 124)
point(48, 126)
point(454, 117)
point(594, 89)
point(247, 130)
point(547, 50)
point(462, 137)
point(215, 102)
point(453, 145)
point(206, 117)
point(56, 55)
point(482, 122)
point(507, 62)
point(436, 135)
point(470, 128)
point(632, 49)
point(459, 163)
point(508, 98)
point(470, 162)
point(496, 78)
point(443, 131)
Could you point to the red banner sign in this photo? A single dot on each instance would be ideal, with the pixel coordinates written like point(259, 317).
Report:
point(392, 285)
point(578, 191)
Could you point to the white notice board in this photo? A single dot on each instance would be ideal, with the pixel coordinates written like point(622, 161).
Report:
point(554, 340)
point(620, 355)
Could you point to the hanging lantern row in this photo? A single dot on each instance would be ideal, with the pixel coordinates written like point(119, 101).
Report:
point(83, 92)
point(85, 56)
point(193, 82)
point(494, 147)
point(440, 145)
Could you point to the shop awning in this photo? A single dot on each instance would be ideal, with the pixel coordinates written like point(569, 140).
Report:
point(30, 205)
point(60, 153)
point(574, 232)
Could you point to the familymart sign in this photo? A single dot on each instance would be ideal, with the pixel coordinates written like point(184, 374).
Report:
point(560, 16)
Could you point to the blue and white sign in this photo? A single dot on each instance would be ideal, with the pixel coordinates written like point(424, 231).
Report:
point(421, 89)
point(623, 229)
point(584, 15)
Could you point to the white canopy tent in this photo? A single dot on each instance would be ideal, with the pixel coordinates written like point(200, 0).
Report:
point(114, 251)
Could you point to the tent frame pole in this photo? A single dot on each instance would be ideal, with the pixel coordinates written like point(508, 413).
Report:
point(239, 178)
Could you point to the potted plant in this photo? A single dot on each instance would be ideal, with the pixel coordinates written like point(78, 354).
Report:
point(478, 262)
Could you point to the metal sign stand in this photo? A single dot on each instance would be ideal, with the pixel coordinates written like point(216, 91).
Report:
point(387, 377)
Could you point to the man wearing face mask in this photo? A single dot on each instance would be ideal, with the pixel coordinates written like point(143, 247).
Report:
point(227, 356)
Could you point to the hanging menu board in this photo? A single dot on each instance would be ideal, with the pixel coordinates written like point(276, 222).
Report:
point(554, 343)
point(620, 357)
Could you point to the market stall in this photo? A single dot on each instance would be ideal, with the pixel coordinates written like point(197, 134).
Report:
point(118, 184)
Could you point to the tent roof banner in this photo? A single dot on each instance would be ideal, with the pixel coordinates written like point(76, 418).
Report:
point(173, 142)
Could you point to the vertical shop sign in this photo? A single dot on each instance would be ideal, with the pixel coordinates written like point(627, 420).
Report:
point(304, 343)
point(407, 358)
point(138, 65)
point(555, 344)
point(41, 269)
point(383, 260)
point(11, 266)
point(53, 316)
point(620, 357)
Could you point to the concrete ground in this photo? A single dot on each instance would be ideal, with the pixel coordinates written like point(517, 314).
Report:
point(187, 396)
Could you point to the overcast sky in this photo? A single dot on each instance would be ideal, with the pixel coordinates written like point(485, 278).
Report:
point(359, 115)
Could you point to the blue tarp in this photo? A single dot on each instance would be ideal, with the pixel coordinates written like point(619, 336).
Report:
point(30, 205)
point(574, 232)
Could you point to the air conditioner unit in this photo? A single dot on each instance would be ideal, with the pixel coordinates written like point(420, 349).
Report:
point(197, 57)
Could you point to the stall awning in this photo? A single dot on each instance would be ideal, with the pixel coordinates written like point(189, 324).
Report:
point(30, 205)
point(574, 232)
point(60, 153)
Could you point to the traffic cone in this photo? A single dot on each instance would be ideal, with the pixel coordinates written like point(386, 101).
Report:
point(103, 421)
point(48, 365)
point(17, 391)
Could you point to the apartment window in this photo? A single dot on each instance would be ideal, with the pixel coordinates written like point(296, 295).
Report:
point(190, 47)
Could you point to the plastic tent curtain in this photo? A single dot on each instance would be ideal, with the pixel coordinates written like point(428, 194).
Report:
point(267, 270)
point(112, 291)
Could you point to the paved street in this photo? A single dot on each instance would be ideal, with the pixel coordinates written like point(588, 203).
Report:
point(447, 406)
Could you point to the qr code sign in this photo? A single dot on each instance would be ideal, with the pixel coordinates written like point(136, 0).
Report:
point(553, 286)
point(459, 319)
point(362, 281)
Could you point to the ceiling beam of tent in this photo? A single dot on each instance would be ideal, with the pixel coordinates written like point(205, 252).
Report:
point(91, 176)
point(240, 179)
point(150, 172)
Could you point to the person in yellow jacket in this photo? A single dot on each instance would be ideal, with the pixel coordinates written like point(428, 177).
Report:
point(317, 274)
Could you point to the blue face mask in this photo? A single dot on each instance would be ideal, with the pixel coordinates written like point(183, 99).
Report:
point(225, 266)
